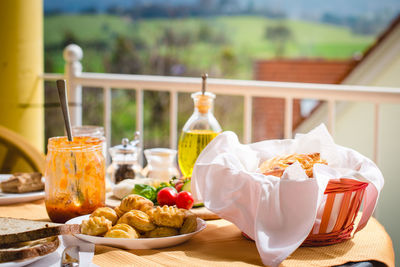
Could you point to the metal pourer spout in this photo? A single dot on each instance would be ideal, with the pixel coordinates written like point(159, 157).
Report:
point(204, 83)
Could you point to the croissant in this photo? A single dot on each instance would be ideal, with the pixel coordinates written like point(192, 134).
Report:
point(138, 220)
point(122, 231)
point(168, 216)
point(277, 165)
point(135, 202)
point(95, 226)
point(108, 213)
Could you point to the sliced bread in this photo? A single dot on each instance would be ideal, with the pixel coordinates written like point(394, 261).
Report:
point(30, 249)
point(21, 230)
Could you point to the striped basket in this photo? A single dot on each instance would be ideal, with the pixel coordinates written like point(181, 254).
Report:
point(343, 195)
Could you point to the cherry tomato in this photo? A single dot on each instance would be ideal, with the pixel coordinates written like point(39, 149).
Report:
point(178, 186)
point(167, 196)
point(184, 200)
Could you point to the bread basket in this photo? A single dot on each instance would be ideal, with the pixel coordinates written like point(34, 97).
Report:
point(281, 214)
point(348, 195)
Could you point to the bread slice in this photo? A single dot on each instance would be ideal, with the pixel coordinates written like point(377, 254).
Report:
point(23, 183)
point(30, 249)
point(21, 230)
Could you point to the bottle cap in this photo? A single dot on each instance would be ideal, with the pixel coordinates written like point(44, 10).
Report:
point(203, 102)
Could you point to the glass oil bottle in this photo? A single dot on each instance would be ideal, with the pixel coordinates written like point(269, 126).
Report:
point(198, 131)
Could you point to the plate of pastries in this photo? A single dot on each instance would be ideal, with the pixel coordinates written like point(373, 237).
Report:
point(137, 224)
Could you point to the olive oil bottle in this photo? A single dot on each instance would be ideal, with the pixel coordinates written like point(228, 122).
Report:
point(198, 131)
point(190, 146)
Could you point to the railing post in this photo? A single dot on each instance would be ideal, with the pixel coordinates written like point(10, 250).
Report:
point(247, 121)
point(376, 133)
point(331, 116)
point(173, 124)
point(107, 98)
point(288, 125)
point(73, 68)
point(139, 120)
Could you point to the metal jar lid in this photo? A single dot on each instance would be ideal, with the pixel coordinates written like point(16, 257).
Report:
point(124, 148)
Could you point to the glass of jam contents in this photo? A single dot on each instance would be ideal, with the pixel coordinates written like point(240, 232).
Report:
point(93, 131)
point(74, 177)
point(125, 161)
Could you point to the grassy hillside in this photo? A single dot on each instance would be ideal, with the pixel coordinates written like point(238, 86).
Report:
point(242, 37)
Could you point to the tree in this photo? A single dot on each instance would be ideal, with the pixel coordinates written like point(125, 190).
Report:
point(228, 61)
point(279, 35)
point(125, 57)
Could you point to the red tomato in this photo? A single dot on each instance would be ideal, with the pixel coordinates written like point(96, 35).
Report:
point(184, 200)
point(166, 196)
point(178, 186)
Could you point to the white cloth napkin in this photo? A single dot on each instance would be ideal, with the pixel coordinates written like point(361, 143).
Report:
point(277, 213)
point(86, 253)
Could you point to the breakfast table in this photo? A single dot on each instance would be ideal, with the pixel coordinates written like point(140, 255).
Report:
point(222, 244)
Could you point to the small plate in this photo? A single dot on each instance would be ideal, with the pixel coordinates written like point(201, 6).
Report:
point(140, 243)
point(10, 198)
point(29, 261)
point(21, 263)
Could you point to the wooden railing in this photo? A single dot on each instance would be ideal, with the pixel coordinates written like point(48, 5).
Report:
point(330, 93)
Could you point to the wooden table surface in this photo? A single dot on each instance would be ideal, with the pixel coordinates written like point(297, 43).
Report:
point(221, 244)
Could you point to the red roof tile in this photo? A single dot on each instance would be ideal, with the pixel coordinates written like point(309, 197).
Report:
point(303, 70)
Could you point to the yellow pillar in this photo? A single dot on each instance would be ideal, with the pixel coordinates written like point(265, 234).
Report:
point(21, 63)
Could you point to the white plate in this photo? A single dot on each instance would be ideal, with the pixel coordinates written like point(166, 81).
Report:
point(9, 198)
point(27, 261)
point(140, 243)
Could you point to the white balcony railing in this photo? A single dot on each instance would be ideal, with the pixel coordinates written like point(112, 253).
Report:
point(248, 89)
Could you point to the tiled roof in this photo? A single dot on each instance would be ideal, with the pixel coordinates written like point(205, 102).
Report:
point(303, 70)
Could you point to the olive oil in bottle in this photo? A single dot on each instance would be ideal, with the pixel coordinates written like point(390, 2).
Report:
point(190, 146)
point(198, 131)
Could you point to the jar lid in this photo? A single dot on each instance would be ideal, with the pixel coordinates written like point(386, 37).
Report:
point(124, 148)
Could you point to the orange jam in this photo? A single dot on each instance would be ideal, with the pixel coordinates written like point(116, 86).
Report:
point(74, 177)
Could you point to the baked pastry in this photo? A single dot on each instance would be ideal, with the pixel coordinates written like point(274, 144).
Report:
point(122, 230)
point(137, 219)
point(162, 231)
point(277, 165)
point(135, 202)
point(95, 226)
point(169, 216)
point(22, 183)
point(189, 224)
point(119, 212)
point(108, 213)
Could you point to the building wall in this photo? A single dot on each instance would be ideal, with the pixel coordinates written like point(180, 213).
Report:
point(360, 136)
point(354, 128)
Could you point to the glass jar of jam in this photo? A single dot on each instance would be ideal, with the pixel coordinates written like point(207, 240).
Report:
point(74, 177)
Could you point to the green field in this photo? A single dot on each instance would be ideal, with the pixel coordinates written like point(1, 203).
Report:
point(243, 38)
point(222, 46)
